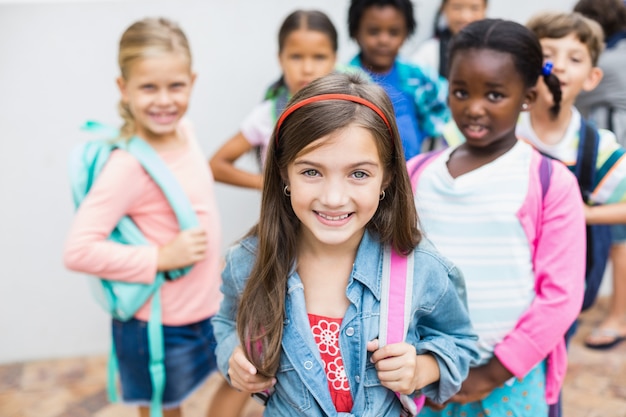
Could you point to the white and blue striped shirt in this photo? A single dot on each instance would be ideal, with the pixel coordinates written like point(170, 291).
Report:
point(472, 219)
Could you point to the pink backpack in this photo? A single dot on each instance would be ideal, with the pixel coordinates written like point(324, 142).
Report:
point(395, 312)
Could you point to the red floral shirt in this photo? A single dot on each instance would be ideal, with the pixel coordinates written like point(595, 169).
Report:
point(326, 334)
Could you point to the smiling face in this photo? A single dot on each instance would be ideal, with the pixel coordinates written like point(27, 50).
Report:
point(157, 91)
point(306, 56)
point(486, 96)
point(460, 13)
point(382, 31)
point(335, 184)
point(572, 65)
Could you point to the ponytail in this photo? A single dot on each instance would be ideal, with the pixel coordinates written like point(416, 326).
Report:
point(554, 85)
point(275, 88)
point(128, 128)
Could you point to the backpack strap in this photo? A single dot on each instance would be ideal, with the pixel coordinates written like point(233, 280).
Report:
point(395, 310)
point(545, 174)
point(444, 40)
point(415, 167)
point(585, 171)
point(95, 157)
point(396, 296)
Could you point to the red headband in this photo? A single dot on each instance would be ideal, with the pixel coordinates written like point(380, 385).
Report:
point(324, 97)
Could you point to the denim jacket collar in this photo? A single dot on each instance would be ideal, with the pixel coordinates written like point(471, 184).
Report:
point(367, 263)
point(365, 270)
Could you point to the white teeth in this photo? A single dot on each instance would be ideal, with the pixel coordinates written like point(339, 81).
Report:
point(335, 218)
point(475, 128)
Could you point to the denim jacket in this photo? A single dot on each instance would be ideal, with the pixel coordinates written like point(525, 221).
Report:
point(439, 325)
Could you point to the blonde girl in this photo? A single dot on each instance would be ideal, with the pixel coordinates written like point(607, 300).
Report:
point(155, 85)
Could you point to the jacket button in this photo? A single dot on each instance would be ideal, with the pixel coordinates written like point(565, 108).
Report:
point(357, 379)
point(308, 365)
point(350, 331)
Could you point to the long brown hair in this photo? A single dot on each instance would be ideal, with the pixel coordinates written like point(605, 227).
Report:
point(261, 308)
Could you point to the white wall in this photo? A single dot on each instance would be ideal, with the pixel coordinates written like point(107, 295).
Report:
point(57, 69)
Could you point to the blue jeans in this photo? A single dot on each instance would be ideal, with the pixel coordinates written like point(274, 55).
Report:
point(189, 359)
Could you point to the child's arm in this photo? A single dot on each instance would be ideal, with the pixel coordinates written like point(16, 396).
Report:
point(223, 164)
point(88, 249)
point(609, 196)
point(231, 360)
point(559, 266)
point(606, 213)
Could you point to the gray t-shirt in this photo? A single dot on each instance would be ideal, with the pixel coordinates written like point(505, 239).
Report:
point(606, 104)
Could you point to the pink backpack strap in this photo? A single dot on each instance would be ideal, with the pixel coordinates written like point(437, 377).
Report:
point(395, 310)
point(416, 165)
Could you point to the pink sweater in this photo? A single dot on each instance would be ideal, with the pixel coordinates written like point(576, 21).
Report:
point(124, 188)
point(555, 228)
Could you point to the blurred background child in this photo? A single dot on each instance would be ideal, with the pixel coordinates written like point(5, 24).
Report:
point(606, 107)
point(307, 50)
point(380, 27)
point(452, 16)
point(155, 85)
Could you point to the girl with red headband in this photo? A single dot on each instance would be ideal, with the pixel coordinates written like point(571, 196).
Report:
point(302, 292)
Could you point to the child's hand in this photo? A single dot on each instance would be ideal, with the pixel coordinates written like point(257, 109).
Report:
point(187, 248)
point(481, 381)
point(400, 369)
point(243, 375)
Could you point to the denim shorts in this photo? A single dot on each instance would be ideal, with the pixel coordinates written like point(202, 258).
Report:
point(618, 232)
point(189, 360)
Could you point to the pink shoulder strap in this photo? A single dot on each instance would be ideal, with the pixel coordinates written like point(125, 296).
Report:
point(416, 165)
point(395, 311)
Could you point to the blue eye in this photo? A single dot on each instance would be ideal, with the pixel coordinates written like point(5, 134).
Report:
point(359, 175)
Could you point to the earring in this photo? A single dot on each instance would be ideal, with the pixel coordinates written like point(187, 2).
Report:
point(382, 196)
point(525, 106)
point(286, 191)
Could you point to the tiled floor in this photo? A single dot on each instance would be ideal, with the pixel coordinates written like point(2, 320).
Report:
point(595, 385)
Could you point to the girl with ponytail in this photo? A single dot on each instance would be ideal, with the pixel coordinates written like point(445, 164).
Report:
point(519, 241)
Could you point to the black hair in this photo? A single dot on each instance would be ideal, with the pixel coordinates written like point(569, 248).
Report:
point(314, 20)
point(357, 8)
point(514, 39)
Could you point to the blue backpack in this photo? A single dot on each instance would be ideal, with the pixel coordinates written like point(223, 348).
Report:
point(598, 235)
point(123, 299)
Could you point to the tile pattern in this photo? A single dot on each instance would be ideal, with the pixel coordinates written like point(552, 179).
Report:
point(595, 385)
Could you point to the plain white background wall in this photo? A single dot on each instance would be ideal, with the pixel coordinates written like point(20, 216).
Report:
point(57, 69)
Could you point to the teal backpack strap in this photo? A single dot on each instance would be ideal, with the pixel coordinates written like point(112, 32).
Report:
point(156, 349)
point(94, 156)
point(279, 101)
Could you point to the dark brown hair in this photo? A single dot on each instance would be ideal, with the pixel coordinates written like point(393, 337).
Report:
point(610, 14)
point(261, 308)
point(302, 19)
